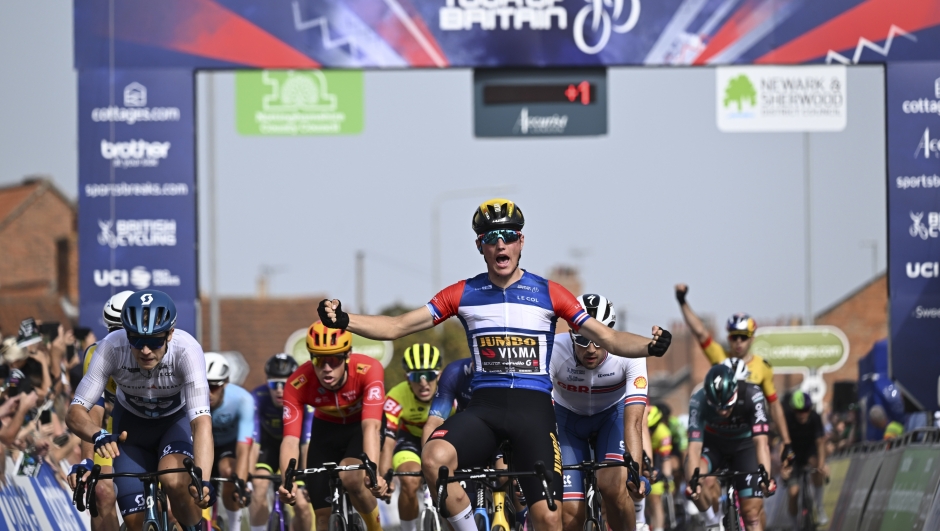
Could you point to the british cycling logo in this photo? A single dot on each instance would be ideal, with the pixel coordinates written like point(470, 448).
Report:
point(929, 230)
point(134, 153)
point(138, 277)
point(137, 233)
point(593, 24)
point(135, 109)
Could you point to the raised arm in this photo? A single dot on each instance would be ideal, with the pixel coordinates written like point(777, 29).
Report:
point(380, 327)
point(626, 344)
point(695, 324)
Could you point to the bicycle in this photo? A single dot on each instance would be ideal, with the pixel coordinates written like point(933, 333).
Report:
point(343, 515)
point(594, 520)
point(152, 496)
point(732, 520)
point(429, 518)
point(278, 520)
point(211, 514)
point(805, 501)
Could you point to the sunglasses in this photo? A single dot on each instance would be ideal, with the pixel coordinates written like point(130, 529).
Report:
point(276, 385)
point(153, 342)
point(416, 376)
point(508, 236)
point(582, 341)
point(215, 386)
point(738, 337)
point(332, 361)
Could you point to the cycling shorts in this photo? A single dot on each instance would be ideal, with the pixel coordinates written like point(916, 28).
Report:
point(148, 441)
point(739, 455)
point(407, 449)
point(221, 452)
point(577, 432)
point(331, 443)
point(269, 455)
point(523, 417)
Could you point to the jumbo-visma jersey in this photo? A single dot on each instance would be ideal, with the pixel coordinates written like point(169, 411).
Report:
point(511, 332)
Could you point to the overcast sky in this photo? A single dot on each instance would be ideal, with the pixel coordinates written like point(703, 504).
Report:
point(664, 197)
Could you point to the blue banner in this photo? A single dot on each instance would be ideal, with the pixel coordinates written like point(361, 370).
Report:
point(913, 105)
point(137, 188)
point(38, 503)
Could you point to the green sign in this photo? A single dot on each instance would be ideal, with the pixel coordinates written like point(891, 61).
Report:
point(798, 349)
point(298, 102)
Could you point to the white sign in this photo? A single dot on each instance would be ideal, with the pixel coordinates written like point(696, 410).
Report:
point(781, 98)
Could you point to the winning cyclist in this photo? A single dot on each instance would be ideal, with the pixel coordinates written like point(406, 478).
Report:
point(406, 411)
point(107, 519)
point(509, 315)
point(661, 443)
point(268, 434)
point(728, 429)
point(453, 395)
point(741, 329)
point(809, 445)
point(162, 409)
point(598, 397)
point(233, 412)
point(347, 392)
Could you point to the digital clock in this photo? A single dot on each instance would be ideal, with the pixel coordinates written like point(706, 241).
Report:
point(582, 92)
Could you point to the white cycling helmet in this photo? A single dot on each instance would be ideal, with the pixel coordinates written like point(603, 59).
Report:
point(598, 307)
point(112, 309)
point(741, 372)
point(217, 368)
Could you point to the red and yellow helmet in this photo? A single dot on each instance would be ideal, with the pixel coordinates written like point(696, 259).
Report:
point(323, 341)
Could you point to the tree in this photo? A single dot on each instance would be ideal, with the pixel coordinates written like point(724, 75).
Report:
point(740, 90)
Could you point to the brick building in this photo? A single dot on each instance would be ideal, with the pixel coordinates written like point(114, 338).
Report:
point(38, 254)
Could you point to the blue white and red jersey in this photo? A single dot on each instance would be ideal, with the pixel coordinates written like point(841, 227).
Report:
point(588, 392)
point(454, 389)
point(511, 332)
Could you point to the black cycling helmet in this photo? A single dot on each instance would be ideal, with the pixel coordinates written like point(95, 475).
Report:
point(280, 366)
point(148, 312)
point(600, 308)
point(497, 214)
point(721, 387)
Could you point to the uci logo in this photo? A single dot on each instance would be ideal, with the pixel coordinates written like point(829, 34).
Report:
point(146, 299)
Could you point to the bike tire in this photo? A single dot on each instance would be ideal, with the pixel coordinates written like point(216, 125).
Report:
point(481, 523)
point(356, 523)
point(591, 525)
point(806, 510)
point(732, 518)
point(430, 521)
point(336, 523)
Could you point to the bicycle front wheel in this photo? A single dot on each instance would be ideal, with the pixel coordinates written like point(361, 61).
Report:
point(429, 521)
point(336, 523)
point(591, 525)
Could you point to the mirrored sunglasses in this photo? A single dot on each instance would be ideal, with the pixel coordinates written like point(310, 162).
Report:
point(152, 342)
point(332, 361)
point(508, 236)
point(430, 376)
point(582, 341)
point(276, 385)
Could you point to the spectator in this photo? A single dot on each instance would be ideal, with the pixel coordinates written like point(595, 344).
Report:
point(879, 419)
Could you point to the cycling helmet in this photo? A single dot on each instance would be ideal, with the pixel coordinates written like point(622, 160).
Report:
point(217, 368)
point(497, 214)
point(738, 368)
point(112, 310)
point(741, 324)
point(148, 312)
point(801, 401)
point(280, 366)
point(721, 388)
point(323, 341)
point(422, 357)
point(654, 417)
point(600, 308)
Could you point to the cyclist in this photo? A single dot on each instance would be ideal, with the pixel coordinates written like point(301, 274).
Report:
point(599, 399)
point(453, 395)
point(728, 429)
point(233, 411)
point(661, 443)
point(809, 445)
point(162, 410)
point(107, 519)
point(741, 327)
point(268, 434)
point(406, 411)
point(509, 315)
point(347, 393)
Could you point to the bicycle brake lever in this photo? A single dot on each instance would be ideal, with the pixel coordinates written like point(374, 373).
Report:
point(289, 475)
point(442, 474)
point(91, 500)
point(195, 475)
point(79, 494)
point(542, 473)
point(370, 469)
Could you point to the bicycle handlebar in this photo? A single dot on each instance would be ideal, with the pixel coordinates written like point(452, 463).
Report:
point(725, 473)
point(240, 487)
point(85, 490)
point(444, 477)
point(331, 468)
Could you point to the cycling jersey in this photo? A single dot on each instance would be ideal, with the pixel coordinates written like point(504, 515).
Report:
point(361, 396)
point(748, 416)
point(680, 439)
point(803, 436)
point(510, 331)
point(110, 390)
point(760, 372)
point(233, 420)
point(661, 440)
point(177, 382)
point(269, 421)
point(404, 410)
point(453, 389)
point(587, 392)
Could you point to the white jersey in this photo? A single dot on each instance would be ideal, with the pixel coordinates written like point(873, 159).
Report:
point(587, 392)
point(178, 382)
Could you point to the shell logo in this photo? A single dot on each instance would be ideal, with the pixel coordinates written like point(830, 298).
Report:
point(640, 382)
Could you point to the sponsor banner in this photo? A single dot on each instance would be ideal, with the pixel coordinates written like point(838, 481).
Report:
point(913, 130)
point(137, 202)
point(781, 98)
point(37, 503)
point(799, 349)
point(298, 102)
point(909, 498)
point(510, 352)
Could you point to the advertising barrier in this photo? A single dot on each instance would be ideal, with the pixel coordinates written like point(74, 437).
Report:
point(37, 503)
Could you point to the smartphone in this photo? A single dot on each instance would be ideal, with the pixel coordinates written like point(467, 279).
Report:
point(49, 331)
point(45, 417)
point(81, 332)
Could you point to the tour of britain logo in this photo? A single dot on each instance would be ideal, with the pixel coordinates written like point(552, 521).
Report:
point(509, 353)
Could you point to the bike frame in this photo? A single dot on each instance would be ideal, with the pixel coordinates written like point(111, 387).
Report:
point(341, 504)
point(589, 481)
point(276, 508)
point(726, 479)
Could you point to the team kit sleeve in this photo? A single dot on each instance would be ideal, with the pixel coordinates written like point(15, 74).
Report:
point(246, 417)
point(696, 423)
point(446, 392)
point(257, 416)
point(445, 304)
point(373, 392)
point(665, 440)
point(294, 389)
point(392, 413)
point(566, 306)
point(307, 431)
point(767, 383)
point(195, 386)
point(91, 388)
point(713, 351)
point(637, 383)
point(759, 410)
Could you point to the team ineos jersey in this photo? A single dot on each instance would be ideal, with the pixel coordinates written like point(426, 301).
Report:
point(510, 331)
point(748, 416)
point(587, 392)
point(177, 382)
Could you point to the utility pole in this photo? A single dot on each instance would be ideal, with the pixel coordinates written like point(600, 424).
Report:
point(215, 326)
point(360, 282)
point(808, 231)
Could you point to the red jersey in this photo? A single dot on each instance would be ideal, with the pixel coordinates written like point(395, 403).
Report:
point(361, 396)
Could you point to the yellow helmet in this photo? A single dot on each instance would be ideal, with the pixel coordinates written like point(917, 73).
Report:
point(323, 341)
point(497, 214)
point(655, 416)
point(422, 357)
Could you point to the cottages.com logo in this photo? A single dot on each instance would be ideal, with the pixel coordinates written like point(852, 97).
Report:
point(135, 109)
